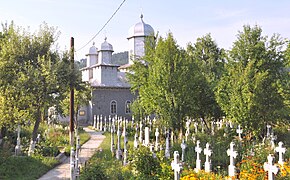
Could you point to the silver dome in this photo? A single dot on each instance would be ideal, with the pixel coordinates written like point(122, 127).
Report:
point(105, 46)
point(141, 29)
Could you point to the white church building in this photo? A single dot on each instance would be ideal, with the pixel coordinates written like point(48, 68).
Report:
point(111, 94)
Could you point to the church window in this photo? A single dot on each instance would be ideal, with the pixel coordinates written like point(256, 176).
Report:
point(128, 107)
point(113, 107)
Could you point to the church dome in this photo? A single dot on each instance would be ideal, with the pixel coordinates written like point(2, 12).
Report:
point(93, 49)
point(105, 46)
point(141, 29)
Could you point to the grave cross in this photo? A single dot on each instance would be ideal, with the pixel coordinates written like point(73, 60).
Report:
point(268, 130)
point(157, 137)
point(140, 136)
point(183, 147)
point(207, 152)
point(176, 166)
point(98, 122)
point(198, 151)
point(118, 153)
point(136, 141)
point(233, 154)
point(18, 145)
point(268, 166)
point(147, 136)
point(94, 123)
point(239, 131)
point(281, 151)
point(112, 136)
point(167, 149)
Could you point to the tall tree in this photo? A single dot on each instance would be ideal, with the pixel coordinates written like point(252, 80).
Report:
point(30, 75)
point(249, 91)
point(209, 60)
point(162, 79)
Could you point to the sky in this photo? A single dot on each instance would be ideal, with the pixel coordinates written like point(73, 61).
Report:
point(187, 20)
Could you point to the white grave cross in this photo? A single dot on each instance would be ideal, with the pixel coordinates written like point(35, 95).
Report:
point(156, 141)
point(239, 131)
point(233, 154)
point(281, 151)
point(268, 166)
point(198, 151)
point(176, 166)
point(207, 152)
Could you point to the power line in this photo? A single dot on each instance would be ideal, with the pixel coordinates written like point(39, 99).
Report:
point(102, 27)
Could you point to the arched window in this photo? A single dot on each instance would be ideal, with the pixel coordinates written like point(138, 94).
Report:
point(128, 107)
point(113, 107)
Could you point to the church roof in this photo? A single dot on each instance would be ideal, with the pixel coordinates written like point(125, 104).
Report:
point(141, 29)
point(120, 82)
point(93, 50)
point(105, 46)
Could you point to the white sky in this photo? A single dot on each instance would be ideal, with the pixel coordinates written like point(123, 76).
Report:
point(186, 19)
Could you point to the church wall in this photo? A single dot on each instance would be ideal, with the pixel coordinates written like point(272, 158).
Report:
point(102, 98)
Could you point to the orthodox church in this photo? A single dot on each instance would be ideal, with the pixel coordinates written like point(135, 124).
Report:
point(111, 94)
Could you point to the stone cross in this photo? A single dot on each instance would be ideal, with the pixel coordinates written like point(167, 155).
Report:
point(233, 154)
point(147, 136)
point(281, 151)
point(94, 123)
point(186, 135)
point(183, 147)
point(18, 145)
point(140, 136)
point(72, 164)
point(105, 124)
point(118, 153)
point(268, 166)
point(239, 131)
point(98, 122)
point(136, 141)
point(198, 151)
point(112, 137)
point(176, 166)
point(101, 123)
point(156, 140)
point(125, 146)
point(187, 126)
point(268, 130)
point(195, 127)
point(212, 128)
point(167, 149)
point(78, 146)
point(207, 152)
point(272, 142)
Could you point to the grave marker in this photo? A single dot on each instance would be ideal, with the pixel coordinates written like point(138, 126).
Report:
point(280, 151)
point(239, 131)
point(268, 166)
point(207, 152)
point(176, 166)
point(183, 147)
point(198, 161)
point(233, 154)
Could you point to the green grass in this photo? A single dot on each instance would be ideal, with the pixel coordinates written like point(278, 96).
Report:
point(24, 167)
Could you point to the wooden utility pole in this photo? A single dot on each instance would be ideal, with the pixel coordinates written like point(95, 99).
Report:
point(71, 112)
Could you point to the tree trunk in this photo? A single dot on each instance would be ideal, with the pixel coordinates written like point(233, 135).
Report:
point(34, 132)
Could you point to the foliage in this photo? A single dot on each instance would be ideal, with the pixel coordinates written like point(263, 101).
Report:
point(249, 91)
point(164, 81)
point(120, 58)
point(209, 60)
point(141, 158)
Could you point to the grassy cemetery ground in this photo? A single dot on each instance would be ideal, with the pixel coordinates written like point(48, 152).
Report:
point(53, 140)
point(142, 164)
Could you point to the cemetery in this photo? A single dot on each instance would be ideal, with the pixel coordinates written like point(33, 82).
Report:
point(199, 112)
point(227, 154)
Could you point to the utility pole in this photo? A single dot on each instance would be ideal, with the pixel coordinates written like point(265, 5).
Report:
point(71, 114)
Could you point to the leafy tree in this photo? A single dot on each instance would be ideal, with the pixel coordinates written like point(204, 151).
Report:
point(33, 75)
point(250, 91)
point(162, 79)
point(208, 58)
